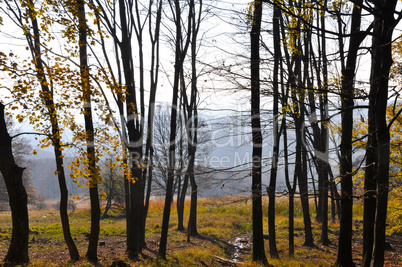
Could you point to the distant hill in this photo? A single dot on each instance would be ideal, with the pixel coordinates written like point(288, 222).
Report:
point(45, 181)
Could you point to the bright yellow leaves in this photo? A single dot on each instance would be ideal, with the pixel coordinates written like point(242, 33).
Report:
point(250, 12)
point(75, 196)
point(49, 97)
point(394, 217)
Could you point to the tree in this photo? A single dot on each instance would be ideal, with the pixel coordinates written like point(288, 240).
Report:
point(112, 186)
point(258, 240)
point(180, 53)
point(120, 74)
point(154, 76)
point(93, 172)
point(12, 174)
point(192, 121)
point(344, 257)
point(381, 61)
point(271, 189)
point(293, 59)
point(21, 151)
point(46, 94)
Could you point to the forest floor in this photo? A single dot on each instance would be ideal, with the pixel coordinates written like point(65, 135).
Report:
point(225, 238)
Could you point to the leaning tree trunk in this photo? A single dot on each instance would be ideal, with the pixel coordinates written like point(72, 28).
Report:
point(47, 97)
point(18, 199)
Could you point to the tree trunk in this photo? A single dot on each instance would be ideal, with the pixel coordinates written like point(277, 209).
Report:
point(303, 186)
point(181, 202)
point(258, 240)
point(92, 252)
point(345, 237)
point(47, 97)
point(180, 52)
point(335, 196)
point(18, 199)
point(192, 123)
point(154, 73)
point(370, 180)
point(384, 24)
point(324, 137)
point(192, 222)
point(271, 189)
point(181, 191)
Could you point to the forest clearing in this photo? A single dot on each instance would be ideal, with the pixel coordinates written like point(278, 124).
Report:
point(294, 107)
point(225, 234)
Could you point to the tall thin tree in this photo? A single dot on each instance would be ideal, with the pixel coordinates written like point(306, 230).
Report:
point(180, 53)
point(92, 252)
point(344, 257)
point(258, 240)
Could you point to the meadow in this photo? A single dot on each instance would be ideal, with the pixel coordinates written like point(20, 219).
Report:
point(224, 225)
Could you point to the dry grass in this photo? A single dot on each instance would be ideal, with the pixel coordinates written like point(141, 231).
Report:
point(220, 222)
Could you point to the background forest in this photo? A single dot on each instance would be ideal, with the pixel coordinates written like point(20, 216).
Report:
point(137, 108)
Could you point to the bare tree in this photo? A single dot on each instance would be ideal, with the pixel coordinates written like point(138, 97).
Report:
point(258, 240)
point(180, 54)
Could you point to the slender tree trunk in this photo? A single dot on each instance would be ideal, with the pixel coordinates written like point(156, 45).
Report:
point(192, 221)
point(192, 123)
point(180, 52)
point(335, 196)
point(47, 97)
point(258, 240)
point(181, 202)
point(345, 236)
point(384, 24)
point(301, 153)
point(291, 189)
point(324, 137)
point(18, 199)
point(276, 137)
point(92, 252)
point(151, 110)
point(181, 191)
point(370, 180)
point(135, 187)
point(298, 94)
point(303, 186)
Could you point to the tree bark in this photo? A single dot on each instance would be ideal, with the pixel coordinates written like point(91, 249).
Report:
point(18, 199)
point(47, 97)
point(370, 180)
point(180, 53)
point(192, 123)
point(344, 257)
point(180, 204)
point(258, 240)
point(384, 24)
point(92, 252)
point(271, 189)
point(324, 137)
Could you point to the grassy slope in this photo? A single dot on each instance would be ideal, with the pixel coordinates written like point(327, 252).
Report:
point(220, 222)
